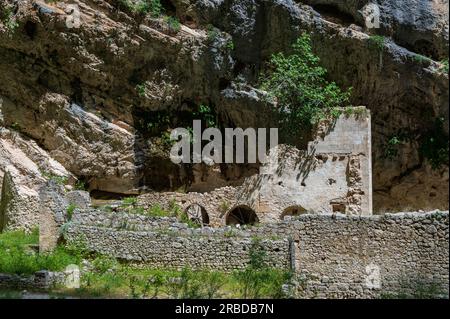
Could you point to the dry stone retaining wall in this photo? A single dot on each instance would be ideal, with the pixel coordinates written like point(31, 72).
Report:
point(120, 220)
point(39, 280)
point(390, 255)
point(334, 256)
point(171, 250)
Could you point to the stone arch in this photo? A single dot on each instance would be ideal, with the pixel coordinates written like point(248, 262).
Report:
point(294, 210)
point(242, 215)
point(197, 213)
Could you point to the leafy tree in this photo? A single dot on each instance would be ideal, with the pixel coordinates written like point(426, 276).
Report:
point(298, 84)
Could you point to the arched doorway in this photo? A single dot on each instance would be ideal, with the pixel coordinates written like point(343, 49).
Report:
point(293, 211)
point(198, 214)
point(241, 215)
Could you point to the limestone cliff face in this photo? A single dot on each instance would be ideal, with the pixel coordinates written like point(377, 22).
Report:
point(85, 96)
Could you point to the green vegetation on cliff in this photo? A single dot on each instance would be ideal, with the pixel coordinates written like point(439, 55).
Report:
point(298, 84)
point(143, 6)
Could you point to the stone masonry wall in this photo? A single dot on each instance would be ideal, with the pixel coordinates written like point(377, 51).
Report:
point(334, 255)
point(120, 220)
point(41, 280)
point(174, 251)
point(390, 255)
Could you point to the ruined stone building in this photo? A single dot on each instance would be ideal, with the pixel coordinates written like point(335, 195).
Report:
point(332, 175)
point(86, 108)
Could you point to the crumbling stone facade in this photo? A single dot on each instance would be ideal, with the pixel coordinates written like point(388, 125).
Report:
point(333, 175)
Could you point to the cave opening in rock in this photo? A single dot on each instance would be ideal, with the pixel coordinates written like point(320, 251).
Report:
point(334, 14)
point(425, 48)
point(242, 215)
point(30, 29)
point(293, 211)
point(98, 194)
point(169, 8)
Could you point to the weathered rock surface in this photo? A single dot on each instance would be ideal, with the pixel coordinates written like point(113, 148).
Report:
point(24, 168)
point(87, 94)
point(18, 206)
point(420, 26)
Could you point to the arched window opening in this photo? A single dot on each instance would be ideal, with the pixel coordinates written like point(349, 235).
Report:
point(293, 211)
point(198, 214)
point(242, 215)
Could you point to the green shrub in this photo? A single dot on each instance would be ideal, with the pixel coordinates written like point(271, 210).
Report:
point(102, 264)
point(157, 211)
point(212, 283)
point(224, 206)
point(174, 208)
point(258, 283)
point(70, 209)
point(80, 185)
point(156, 8)
point(129, 201)
point(229, 233)
point(140, 89)
point(298, 84)
point(444, 66)
point(77, 248)
point(212, 32)
point(16, 127)
point(206, 114)
point(257, 254)
point(107, 208)
point(17, 258)
point(230, 45)
point(173, 23)
point(195, 284)
point(391, 148)
point(142, 7)
point(184, 218)
point(377, 42)
point(190, 287)
point(9, 20)
point(257, 279)
point(16, 239)
point(421, 59)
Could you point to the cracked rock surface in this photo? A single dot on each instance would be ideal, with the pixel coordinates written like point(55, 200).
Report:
point(76, 99)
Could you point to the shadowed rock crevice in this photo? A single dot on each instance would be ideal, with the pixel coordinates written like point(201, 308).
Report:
point(333, 14)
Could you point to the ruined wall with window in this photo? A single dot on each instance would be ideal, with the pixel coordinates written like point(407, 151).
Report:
point(332, 176)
